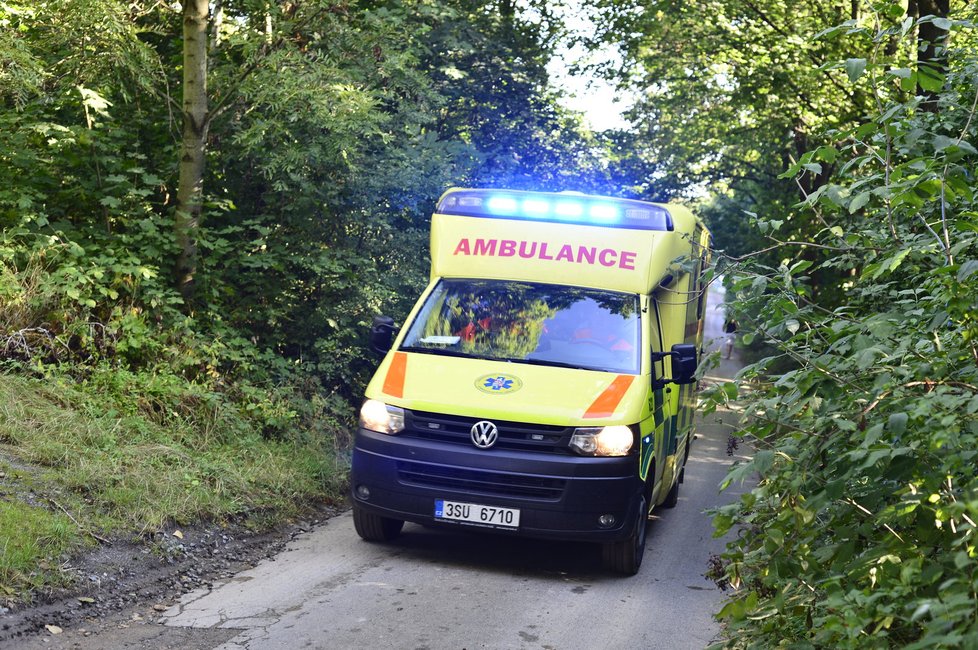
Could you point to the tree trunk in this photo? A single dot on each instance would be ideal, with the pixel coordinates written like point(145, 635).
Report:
point(190, 189)
point(931, 44)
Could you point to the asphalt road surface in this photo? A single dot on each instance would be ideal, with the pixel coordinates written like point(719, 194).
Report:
point(436, 589)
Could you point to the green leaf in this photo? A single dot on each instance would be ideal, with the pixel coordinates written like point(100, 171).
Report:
point(930, 78)
point(855, 68)
point(908, 84)
point(872, 434)
point(942, 142)
point(966, 270)
point(859, 201)
point(897, 259)
point(827, 153)
point(730, 389)
point(734, 610)
point(897, 424)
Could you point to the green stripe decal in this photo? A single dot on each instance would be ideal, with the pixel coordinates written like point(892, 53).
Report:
point(648, 452)
point(648, 440)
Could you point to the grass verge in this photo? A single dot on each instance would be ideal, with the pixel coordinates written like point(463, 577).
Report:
point(119, 455)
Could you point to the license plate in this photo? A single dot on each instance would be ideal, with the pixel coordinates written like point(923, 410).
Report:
point(479, 515)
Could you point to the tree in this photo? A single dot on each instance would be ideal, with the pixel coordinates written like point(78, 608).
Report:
point(727, 103)
point(193, 145)
point(931, 40)
point(858, 532)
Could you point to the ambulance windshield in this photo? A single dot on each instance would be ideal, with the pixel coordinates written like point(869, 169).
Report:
point(541, 324)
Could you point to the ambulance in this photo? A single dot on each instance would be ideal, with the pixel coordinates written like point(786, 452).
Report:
point(543, 384)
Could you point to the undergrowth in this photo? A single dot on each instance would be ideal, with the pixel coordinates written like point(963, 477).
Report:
point(122, 453)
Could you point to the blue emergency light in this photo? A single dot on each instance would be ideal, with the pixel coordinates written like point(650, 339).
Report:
point(575, 208)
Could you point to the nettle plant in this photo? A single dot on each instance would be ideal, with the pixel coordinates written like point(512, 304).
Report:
point(860, 530)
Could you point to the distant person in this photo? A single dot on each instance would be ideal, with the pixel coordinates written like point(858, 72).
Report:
point(730, 333)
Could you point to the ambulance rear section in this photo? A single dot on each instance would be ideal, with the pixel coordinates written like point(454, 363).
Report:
point(542, 384)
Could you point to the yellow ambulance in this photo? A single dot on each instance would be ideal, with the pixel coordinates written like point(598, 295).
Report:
point(543, 385)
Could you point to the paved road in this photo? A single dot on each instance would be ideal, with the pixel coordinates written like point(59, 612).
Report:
point(436, 589)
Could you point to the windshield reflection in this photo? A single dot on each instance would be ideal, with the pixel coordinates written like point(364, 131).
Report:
point(531, 323)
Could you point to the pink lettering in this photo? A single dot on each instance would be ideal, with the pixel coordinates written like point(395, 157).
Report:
point(585, 254)
point(528, 253)
point(530, 249)
point(485, 247)
point(627, 260)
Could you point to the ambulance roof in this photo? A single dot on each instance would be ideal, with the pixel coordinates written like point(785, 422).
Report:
point(565, 238)
point(562, 207)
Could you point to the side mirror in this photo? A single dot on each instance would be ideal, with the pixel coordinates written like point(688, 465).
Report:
point(683, 363)
point(382, 334)
point(683, 357)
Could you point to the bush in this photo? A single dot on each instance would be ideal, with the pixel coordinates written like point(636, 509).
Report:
point(861, 530)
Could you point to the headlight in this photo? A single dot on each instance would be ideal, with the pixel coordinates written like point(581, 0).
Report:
point(602, 441)
point(382, 418)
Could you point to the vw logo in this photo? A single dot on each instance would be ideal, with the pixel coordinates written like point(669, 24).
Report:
point(484, 434)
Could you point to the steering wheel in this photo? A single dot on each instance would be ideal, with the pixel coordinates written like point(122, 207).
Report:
point(588, 341)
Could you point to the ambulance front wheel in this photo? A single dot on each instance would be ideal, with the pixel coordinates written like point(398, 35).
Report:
point(374, 528)
point(626, 556)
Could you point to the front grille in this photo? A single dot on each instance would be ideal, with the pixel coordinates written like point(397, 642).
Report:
point(480, 481)
point(512, 435)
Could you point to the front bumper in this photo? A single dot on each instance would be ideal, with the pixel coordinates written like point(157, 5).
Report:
point(559, 496)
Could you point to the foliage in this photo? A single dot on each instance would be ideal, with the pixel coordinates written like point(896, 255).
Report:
point(334, 128)
point(723, 105)
point(860, 531)
point(127, 453)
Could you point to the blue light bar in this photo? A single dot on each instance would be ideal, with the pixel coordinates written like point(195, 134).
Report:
point(501, 205)
point(548, 206)
point(603, 212)
point(569, 209)
point(536, 207)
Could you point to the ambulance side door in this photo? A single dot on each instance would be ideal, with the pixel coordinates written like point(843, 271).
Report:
point(660, 410)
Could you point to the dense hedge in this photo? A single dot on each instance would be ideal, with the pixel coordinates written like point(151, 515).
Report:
point(861, 530)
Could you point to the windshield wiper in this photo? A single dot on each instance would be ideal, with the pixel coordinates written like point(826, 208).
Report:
point(445, 352)
point(548, 362)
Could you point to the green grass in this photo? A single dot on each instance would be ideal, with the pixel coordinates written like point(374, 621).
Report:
point(123, 460)
point(32, 544)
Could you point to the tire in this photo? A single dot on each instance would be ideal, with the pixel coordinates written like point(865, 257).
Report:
point(374, 528)
point(626, 556)
point(673, 497)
